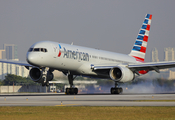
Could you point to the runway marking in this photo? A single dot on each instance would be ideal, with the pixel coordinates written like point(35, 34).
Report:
point(154, 100)
point(67, 105)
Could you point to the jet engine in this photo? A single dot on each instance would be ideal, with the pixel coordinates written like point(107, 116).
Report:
point(37, 75)
point(121, 74)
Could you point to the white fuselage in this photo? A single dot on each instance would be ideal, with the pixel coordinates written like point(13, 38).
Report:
point(73, 58)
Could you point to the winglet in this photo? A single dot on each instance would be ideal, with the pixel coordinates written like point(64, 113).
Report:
point(139, 48)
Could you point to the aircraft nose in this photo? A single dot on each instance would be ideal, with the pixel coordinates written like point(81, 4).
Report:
point(31, 58)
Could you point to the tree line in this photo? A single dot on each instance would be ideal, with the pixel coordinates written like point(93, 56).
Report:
point(11, 79)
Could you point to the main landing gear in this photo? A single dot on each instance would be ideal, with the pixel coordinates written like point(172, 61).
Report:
point(71, 90)
point(116, 89)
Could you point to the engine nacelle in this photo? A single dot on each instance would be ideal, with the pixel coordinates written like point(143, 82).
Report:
point(121, 74)
point(37, 75)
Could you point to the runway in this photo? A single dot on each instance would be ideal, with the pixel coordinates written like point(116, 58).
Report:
point(87, 100)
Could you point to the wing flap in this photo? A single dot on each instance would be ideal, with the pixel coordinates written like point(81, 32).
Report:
point(103, 66)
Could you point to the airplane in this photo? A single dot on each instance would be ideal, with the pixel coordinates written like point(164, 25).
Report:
point(45, 56)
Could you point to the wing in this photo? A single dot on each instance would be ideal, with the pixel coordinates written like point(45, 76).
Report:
point(138, 66)
point(27, 65)
point(152, 66)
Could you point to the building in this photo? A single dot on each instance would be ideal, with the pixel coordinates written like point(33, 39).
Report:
point(154, 55)
point(171, 75)
point(169, 54)
point(10, 51)
point(2, 54)
point(6, 68)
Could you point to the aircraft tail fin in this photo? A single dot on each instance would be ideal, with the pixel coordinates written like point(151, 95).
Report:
point(139, 48)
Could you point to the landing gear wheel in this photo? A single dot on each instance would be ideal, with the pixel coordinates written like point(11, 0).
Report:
point(116, 90)
point(112, 90)
point(71, 91)
point(67, 91)
point(76, 91)
point(45, 84)
point(121, 90)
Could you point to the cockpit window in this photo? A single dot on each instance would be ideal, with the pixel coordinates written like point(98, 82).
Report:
point(42, 49)
point(30, 50)
point(37, 50)
point(45, 50)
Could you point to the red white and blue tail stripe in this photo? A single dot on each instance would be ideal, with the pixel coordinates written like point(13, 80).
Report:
point(139, 49)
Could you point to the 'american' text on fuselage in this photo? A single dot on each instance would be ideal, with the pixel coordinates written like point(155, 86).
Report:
point(75, 55)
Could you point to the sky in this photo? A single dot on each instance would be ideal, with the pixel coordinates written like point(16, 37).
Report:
point(110, 25)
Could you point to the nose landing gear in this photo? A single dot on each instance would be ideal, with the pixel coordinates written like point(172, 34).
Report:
point(47, 76)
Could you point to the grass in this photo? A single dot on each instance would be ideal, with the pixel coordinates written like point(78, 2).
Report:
point(87, 113)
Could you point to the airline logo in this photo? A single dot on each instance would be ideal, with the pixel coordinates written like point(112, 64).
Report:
point(59, 54)
point(140, 45)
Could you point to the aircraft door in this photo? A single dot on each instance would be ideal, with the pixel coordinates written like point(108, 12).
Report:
point(55, 51)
